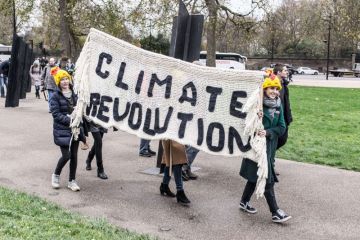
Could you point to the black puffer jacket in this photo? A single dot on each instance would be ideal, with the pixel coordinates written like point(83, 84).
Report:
point(61, 110)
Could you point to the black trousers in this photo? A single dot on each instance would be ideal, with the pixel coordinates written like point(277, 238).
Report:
point(37, 91)
point(66, 156)
point(269, 195)
point(96, 150)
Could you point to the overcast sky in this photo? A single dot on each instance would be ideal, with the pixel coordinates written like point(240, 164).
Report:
point(244, 6)
point(241, 6)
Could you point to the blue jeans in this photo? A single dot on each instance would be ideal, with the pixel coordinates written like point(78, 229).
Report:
point(144, 145)
point(3, 86)
point(50, 94)
point(177, 175)
point(190, 155)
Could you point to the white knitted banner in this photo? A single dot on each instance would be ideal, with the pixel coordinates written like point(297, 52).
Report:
point(158, 97)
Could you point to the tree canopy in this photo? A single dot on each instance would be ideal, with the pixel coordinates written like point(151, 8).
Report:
point(295, 28)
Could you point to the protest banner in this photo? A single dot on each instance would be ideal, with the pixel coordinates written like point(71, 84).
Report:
point(157, 97)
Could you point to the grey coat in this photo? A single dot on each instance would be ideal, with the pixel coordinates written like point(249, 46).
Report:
point(35, 74)
point(47, 79)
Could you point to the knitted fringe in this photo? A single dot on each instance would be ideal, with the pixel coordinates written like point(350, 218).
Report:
point(252, 125)
point(81, 88)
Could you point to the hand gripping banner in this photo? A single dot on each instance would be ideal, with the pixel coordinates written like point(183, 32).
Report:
point(158, 97)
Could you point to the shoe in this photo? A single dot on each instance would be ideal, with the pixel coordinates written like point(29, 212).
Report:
point(184, 176)
point(88, 165)
point(84, 146)
point(276, 173)
point(55, 181)
point(190, 174)
point(145, 153)
point(151, 152)
point(165, 190)
point(181, 198)
point(102, 175)
point(73, 186)
point(280, 216)
point(247, 208)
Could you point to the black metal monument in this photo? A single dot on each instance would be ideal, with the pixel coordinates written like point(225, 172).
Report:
point(185, 43)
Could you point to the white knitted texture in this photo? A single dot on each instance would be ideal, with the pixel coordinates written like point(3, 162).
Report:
point(87, 81)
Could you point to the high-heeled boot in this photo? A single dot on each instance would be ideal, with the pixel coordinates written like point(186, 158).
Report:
point(181, 198)
point(165, 190)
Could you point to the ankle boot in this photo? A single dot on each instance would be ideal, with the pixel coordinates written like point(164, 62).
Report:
point(165, 190)
point(191, 175)
point(102, 175)
point(88, 165)
point(181, 198)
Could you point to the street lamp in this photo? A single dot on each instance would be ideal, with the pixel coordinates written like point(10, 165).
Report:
point(328, 48)
point(14, 17)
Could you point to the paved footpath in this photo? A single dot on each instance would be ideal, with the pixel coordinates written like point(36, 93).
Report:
point(324, 201)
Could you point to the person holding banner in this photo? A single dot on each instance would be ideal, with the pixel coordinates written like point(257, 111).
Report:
point(274, 126)
point(96, 150)
point(173, 158)
point(62, 104)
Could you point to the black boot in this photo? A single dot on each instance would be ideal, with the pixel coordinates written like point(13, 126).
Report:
point(191, 175)
point(102, 175)
point(88, 165)
point(181, 198)
point(184, 176)
point(165, 190)
point(151, 152)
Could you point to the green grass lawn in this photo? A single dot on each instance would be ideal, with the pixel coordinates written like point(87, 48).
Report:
point(326, 128)
point(27, 217)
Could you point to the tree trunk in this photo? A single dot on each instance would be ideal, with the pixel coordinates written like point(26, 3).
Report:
point(211, 33)
point(65, 31)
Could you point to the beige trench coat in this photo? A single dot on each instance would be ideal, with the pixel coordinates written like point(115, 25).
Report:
point(177, 150)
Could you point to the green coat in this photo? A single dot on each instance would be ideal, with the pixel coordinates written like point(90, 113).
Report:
point(274, 128)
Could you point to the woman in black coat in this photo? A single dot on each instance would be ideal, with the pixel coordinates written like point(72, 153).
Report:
point(62, 105)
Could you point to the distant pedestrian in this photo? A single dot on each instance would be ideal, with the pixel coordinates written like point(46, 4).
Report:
point(43, 63)
point(35, 75)
point(4, 73)
point(63, 63)
point(274, 126)
point(70, 67)
point(62, 104)
point(48, 80)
